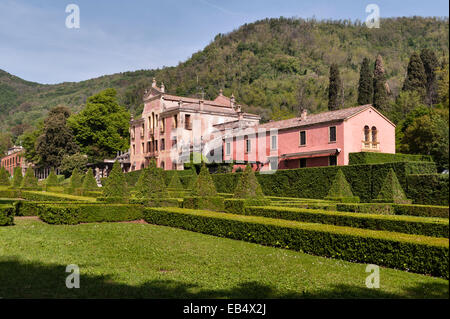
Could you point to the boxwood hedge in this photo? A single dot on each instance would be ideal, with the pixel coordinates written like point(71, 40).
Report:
point(426, 255)
point(6, 215)
point(428, 189)
point(379, 158)
point(396, 209)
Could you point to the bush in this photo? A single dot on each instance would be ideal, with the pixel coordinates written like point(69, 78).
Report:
point(204, 185)
point(17, 177)
point(391, 191)
point(379, 158)
point(116, 188)
point(238, 205)
point(4, 177)
point(208, 202)
point(426, 255)
point(29, 181)
point(156, 202)
point(428, 189)
point(175, 187)
point(6, 215)
point(90, 213)
point(75, 182)
point(402, 224)
point(421, 210)
point(248, 186)
point(341, 190)
point(366, 208)
point(52, 180)
point(89, 182)
point(151, 183)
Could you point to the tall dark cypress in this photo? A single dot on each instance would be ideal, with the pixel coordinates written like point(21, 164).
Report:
point(334, 88)
point(380, 98)
point(430, 64)
point(416, 79)
point(365, 87)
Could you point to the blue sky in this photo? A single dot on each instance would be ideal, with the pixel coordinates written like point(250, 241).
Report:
point(116, 36)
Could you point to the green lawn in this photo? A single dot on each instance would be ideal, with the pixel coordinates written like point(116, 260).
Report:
point(119, 260)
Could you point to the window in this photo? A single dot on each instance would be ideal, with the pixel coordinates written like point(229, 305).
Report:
point(149, 147)
point(302, 138)
point(374, 134)
point(274, 145)
point(228, 148)
point(187, 122)
point(174, 142)
point(332, 133)
point(273, 164)
point(163, 146)
point(248, 145)
point(175, 121)
point(333, 160)
point(142, 130)
point(302, 162)
point(134, 149)
point(156, 145)
point(366, 134)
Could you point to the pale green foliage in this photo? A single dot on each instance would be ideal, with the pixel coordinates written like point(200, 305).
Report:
point(151, 183)
point(204, 185)
point(248, 185)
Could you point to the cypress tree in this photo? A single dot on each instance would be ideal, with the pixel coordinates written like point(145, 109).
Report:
point(391, 191)
point(430, 64)
point(151, 183)
point(4, 177)
point(365, 87)
point(76, 181)
point(248, 185)
point(175, 186)
point(334, 88)
point(89, 182)
point(340, 186)
point(52, 179)
point(116, 188)
point(416, 79)
point(17, 177)
point(29, 180)
point(204, 186)
point(380, 88)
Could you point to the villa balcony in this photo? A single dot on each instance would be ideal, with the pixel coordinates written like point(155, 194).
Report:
point(369, 146)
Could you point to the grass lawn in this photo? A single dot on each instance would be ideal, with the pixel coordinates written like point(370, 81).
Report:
point(120, 260)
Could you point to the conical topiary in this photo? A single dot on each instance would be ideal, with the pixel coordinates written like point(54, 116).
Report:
point(175, 186)
point(116, 188)
point(89, 182)
point(341, 190)
point(76, 181)
point(193, 179)
point(29, 180)
point(17, 177)
point(151, 183)
point(204, 185)
point(248, 185)
point(52, 179)
point(4, 177)
point(392, 191)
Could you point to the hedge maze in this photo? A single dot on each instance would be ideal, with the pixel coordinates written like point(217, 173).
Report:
point(392, 214)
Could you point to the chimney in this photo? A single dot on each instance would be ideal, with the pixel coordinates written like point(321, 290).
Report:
point(232, 101)
point(220, 92)
point(180, 102)
point(304, 114)
point(162, 87)
point(201, 102)
point(154, 83)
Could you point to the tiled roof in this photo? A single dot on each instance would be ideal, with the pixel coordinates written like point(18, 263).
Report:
point(316, 118)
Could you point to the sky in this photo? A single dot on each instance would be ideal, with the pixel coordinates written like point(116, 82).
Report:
point(118, 36)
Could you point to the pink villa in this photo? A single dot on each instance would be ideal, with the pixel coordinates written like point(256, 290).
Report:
point(171, 127)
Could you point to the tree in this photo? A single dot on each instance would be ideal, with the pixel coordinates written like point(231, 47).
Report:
point(380, 88)
point(430, 64)
point(416, 79)
point(175, 186)
point(76, 181)
point(334, 88)
point(28, 141)
point(405, 102)
point(52, 179)
point(248, 185)
point(56, 139)
point(204, 185)
point(151, 182)
point(5, 142)
point(4, 177)
point(101, 128)
point(116, 187)
point(443, 83)
point(17, 177)
point(69, 163)
point(29, 180)
point(365, 87)
point(89, 182)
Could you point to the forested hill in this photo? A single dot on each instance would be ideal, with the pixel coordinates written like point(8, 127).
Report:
point(268, 64)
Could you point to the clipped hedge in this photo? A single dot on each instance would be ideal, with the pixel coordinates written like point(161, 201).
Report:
point(400, 224)
point(379, 158)
point(208, 202)
point(426, 255)
point(238, 205)
point(155, 202)
point(396, 209)
point(90, 213)
point(428, 189)
point(6, 215)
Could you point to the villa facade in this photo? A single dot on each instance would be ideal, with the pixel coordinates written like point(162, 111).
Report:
point(172, 128)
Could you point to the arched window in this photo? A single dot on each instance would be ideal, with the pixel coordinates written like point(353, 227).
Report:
point(374, 134)
point(366, 134)
point(162, 165)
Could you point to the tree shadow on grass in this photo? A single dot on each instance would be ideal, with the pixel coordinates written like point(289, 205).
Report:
point(20, 279)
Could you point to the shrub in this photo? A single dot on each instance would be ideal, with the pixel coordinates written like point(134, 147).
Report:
point(208, 202)
point(17, 177)
point(116, 188)
point(75, 182)
point(158, 202)
point(6, 215)
point(421, 210)
point(341, 190)
point(391, 191)
point(204, 185)
point(151, 183)
point(379, 158)
point(175, 186)
point(52, 180)
point(238, 205)
point(4, 177)
point(248, 186)
point(366, 208)
point(89, 182)
point(428, 189)
point(427, 255)
point(29, 181)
